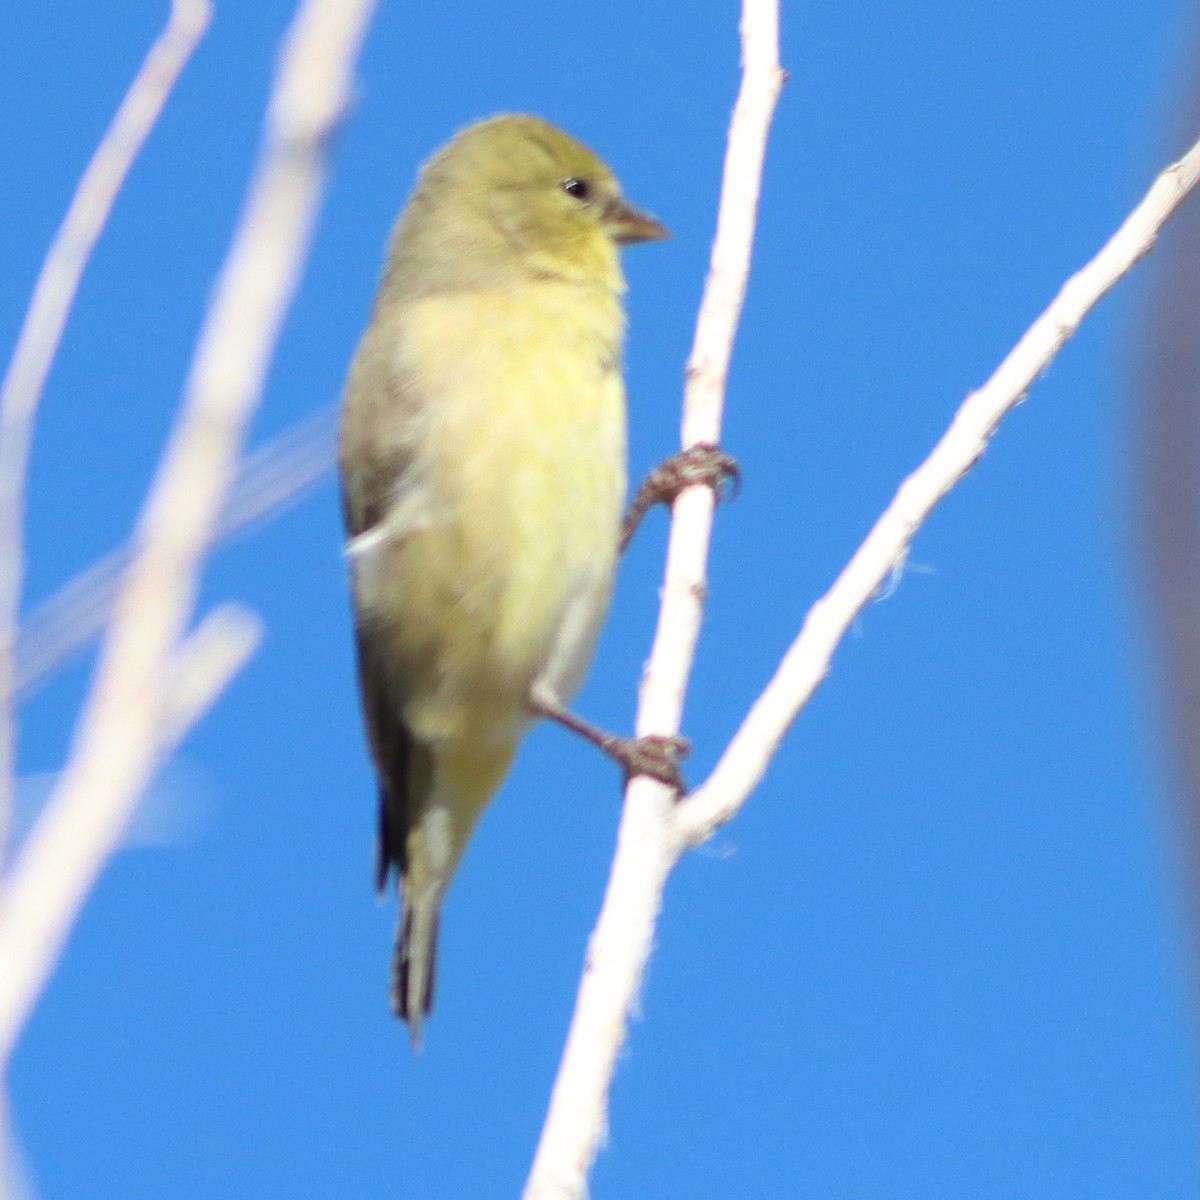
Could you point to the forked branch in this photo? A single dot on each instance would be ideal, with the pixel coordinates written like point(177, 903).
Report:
point(653, 832)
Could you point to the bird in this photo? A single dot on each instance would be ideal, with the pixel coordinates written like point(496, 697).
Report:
point(482, 461)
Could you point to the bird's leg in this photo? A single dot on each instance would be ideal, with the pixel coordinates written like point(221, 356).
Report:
point(701, 464)
point(657, 757)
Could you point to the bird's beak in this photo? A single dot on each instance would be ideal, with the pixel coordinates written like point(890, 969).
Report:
point(625, 224)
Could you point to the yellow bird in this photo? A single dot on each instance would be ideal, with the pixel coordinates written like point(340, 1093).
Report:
point(482, 454)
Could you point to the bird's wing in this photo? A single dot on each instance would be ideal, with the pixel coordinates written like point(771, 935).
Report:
point(381, 500)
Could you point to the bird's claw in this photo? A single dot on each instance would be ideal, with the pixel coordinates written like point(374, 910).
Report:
point(655, 756)
point(703, 464)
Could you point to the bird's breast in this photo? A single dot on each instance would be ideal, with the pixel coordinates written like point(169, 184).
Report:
point(525, 453)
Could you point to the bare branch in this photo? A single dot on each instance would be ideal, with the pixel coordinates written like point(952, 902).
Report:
point(268, 480)
point(653, 834)
point(41, 333)
point(660, 707)
point(199, 671)
point(202, 665)
point(121, 730)
point(646, 848)
point(806, 662)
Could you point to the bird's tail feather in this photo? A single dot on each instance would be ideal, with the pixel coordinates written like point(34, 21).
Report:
point(462, 782)
point(413, 962)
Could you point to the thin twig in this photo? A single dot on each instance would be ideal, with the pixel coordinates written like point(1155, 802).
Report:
point(198, 671)
point(269, 479)
point(202, 664)
point(806, 662)
point(121, 729)
point(46, 318)
point(646, 849)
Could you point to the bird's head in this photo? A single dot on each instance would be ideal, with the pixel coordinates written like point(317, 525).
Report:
point(514, 196)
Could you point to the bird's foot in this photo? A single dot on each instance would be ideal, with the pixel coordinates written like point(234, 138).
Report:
point(653, 755)
point(700, 465)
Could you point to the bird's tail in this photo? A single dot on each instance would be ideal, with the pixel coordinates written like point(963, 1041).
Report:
point(414, 958)
point(463, 780)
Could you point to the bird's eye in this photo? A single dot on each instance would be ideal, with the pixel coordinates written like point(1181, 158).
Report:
point(578, 189)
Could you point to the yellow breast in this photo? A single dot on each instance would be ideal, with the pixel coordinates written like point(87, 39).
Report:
point(524, 454)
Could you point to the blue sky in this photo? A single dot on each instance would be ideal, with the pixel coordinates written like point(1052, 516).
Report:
point(942, 951)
